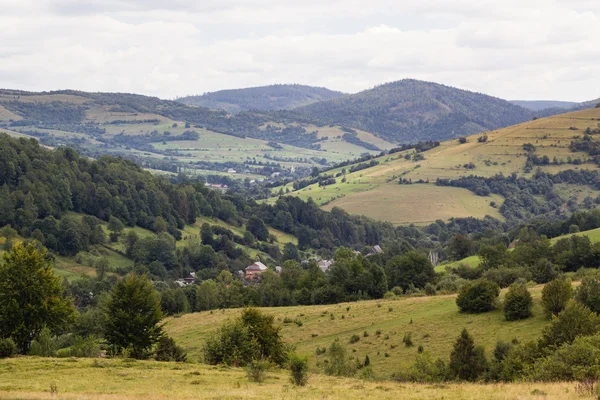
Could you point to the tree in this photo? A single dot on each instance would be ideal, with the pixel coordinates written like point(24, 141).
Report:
point(257, 227)
point(167, 350)
point(290, 252)
point(575, 320)
point(31, 297)
point(115, 226)
point(206, 234)
point(556, 295)
point(298, 366)
point(160, 225)
point(588, 293)
point(517, 302)
point(467, 362)
point(133, 315)
point(102, 267)
point(410, 268)
point(461, 246)
point(478, 297)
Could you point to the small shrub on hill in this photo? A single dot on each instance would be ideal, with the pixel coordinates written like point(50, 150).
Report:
point(298, 366)
point(588, 293)
point(478, 297)
point(556, 295)
point(467, 362)
point(517, 303)
point(167, 350)
point(575, 320)
point(257, 370)
point(7, 348)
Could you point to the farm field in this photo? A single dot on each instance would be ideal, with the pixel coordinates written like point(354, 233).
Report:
point(85, 379)
point(408, 204)
point(433, 322)
point(501, 153)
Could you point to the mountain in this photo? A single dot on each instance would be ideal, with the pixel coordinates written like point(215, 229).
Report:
point(262, 98)
point(409, 110)
point(538, 105)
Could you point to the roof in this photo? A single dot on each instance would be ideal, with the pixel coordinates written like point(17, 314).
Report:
point(257, 266)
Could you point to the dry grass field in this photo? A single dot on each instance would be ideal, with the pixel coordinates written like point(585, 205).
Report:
point(84, 379)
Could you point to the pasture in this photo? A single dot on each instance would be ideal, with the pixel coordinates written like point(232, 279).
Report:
point(33, 378)
point(433, 322)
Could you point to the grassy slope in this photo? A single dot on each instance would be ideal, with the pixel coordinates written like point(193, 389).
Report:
point(433, 321)
point(31, 378)
point(503, 153)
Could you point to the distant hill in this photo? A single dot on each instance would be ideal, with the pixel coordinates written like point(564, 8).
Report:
point(263, 98)
point(538, 105)
point(411, 110)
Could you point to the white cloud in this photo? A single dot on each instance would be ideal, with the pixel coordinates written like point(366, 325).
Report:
point(511, 49)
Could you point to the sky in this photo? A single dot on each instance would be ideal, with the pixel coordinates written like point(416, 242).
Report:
point(513, 49)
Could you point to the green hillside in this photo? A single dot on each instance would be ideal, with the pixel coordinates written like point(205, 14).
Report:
point(264, 98)
point(433, 322)
point(375, 192)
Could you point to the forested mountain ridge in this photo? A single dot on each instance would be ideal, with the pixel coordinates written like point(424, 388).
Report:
point(538, 105)
point(264, 98)
point(408, 110)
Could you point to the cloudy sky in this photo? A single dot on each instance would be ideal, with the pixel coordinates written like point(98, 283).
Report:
point(515, 49)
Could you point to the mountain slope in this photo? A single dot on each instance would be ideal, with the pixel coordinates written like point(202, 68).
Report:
point(407, 111)
point(538, 105)
point(264, 98)
point(375, 192)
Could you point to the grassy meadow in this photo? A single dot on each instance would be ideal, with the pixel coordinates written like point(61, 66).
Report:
point(364, 191)
point(433, 322)
point(85, 379)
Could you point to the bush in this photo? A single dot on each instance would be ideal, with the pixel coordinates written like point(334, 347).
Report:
point(505, 277)
point(462, 140)
point(354, 339)
point(575, 320)
point(252, 336)
point(570, 362)
point(517, 303)
point(257, 370)
point(467, 362)
point(543, 271)
point(85, 347)
point(588, 293)
point(407, 340)
point(429, 289)
point(555, 296)
point(44, 346)
point(501, 350)
point(167, 350)
point(478, 297)
point(298, 366)
point(339, 363)
point(7, 348)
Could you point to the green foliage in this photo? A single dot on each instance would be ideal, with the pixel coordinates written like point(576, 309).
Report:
point(467, 362)
point(133, 315)
point(478, 297)
point(339, 363)
point(517, 302)
point(556, 295)
point(575, 320)
point(7, 347)
point(31, 297)
point(410, 268)
point(167, 350)
point(575, 361)
point(44, 345)
point(256, 370)
point(426, 370)
point(354, 339)
point(407, 340)
point(252, 336)
point(85, 347)
point(588, 293)
point(257, 228)
point(298, 366)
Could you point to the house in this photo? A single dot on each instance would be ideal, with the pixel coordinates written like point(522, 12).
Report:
point(191, 278)
point(231, 171)
point(255, 270)
point(375, 250)
point(324, 265)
